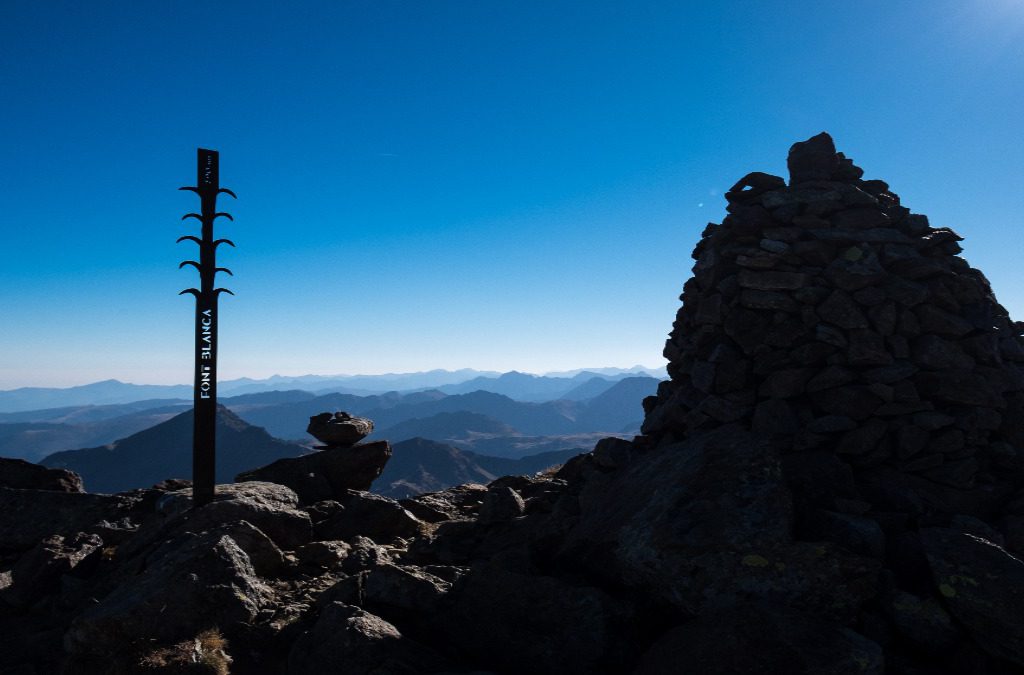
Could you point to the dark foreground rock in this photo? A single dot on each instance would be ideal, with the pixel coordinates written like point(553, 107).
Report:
point(326, 474)
point(751, 638)
point(17, 473)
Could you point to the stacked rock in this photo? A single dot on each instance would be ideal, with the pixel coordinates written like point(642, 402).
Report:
point(339, 429)
point(826, 314)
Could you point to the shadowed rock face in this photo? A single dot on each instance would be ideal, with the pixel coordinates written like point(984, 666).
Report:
point(827, 316)
point(22, 475)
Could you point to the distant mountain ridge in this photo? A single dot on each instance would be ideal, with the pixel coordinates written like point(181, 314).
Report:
point(113, 392)
point(420, 465)
point(477, 417)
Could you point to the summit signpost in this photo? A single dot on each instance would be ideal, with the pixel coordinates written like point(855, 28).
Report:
point(204, 450)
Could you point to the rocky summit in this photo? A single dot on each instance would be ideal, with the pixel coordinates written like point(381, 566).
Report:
point(832, 481)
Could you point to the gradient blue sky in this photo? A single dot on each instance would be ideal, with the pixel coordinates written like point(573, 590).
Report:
point(497, 185)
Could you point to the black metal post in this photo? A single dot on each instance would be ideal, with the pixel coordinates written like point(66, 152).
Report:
point(204, 444)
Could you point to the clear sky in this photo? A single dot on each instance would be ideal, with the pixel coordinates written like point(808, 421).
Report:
point(444, 184)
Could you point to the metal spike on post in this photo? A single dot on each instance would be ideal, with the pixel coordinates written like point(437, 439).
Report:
point(204, 445)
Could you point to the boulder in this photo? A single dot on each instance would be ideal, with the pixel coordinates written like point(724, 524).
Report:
point(22, 475)
point(190, 583)
point(326, 473)
point(983, 587)
point(38, 571)
point(456, 503)
point(339, 429)
point(812, 160)
point(528, 623)
point(923, 621)
point(29, 516)
point(271, 507)
point(348, 640)
point(403, 587)
point(709, 522)
point(364, 513)
point(501, 504)
point(751, 639)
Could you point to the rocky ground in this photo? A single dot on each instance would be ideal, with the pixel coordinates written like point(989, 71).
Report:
point(824, 486)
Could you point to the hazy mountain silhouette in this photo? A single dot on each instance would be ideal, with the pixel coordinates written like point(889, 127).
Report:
point(97, 393)
point(87, 414)
point(431, 414)
point(419, 465)
point(165, 451)
point(446, 425)
point(520, 386)
point(527, 387)
point(589, 388)
point(34, 440)
point(617, 408)
point(517, 447)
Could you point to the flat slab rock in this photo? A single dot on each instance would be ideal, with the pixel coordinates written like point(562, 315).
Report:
point(339, 428)
point(326, 474)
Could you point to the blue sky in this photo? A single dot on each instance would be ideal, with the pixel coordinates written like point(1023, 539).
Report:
point(446, 184)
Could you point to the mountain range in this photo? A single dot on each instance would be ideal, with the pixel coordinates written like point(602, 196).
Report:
point(495, 421)
point(164, 451)
point(520, 386)
point(419, 465)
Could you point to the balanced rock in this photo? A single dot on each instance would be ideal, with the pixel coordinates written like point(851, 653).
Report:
point(339, 429)
point(327, 473)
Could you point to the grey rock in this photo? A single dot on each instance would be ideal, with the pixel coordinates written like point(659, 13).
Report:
point(757, 299)
point(863, 218)
point(37, 572)
point(840, 309)
point(706, 522)
point(855, 533)
point(380, 518)
point(830, 424)
point(22, 475)
point(753, 638)
point(501, 504)
point(405, 587)
point(983, 587)
point(339, 429)
point(271, 507)
point(29, 516)
point(364, 554)
point(813, 159)
point(530, 623)
point(323, 554)
point(857, 267)
point(349, 640)
point(771, 281)
point(327, 473)
point(456, 503)
point(192, 582)
point(923, 621)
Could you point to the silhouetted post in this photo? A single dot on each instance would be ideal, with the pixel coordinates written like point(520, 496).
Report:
point(204, 445)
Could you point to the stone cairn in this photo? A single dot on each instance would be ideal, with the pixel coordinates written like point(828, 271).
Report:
point(827, 316)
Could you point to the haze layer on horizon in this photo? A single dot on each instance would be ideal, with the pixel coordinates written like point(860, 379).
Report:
point(498, 186)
